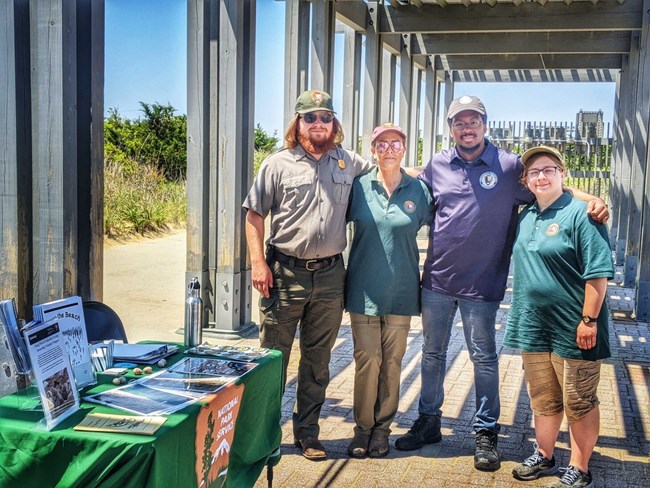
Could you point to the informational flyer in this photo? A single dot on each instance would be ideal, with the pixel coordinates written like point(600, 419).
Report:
point(52, 371)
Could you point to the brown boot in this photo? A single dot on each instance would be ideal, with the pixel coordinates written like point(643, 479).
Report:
point(378, 446)
point(358, 447)
point(312, 449)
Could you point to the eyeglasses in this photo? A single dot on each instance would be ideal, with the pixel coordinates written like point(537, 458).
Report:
point(549, 172)
point(324, 118)
point(474, 124)
point(396, 146)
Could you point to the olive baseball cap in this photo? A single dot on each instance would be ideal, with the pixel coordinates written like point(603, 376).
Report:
point(540, 149)
point(463, 103)
point(313, 100)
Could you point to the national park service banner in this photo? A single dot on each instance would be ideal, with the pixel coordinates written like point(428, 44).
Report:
point(215, 431)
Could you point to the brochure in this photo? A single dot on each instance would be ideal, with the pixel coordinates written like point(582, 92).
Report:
point(142, 353)
point(52, 371)
point(236, 353)
point(122, 424)
point(70, 316)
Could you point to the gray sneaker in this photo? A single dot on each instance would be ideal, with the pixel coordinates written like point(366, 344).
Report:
point(535, 466)
point(574, 478)
point(425, 430)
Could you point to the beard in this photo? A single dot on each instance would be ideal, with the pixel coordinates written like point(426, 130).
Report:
point(318, 146)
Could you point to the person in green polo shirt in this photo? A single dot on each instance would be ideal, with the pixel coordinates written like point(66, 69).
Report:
point(562, 261)
point(387, 208)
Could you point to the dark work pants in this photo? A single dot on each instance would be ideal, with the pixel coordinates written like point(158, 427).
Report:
point(313, 300)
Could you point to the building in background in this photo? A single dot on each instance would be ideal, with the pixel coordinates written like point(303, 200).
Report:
point(589, 124)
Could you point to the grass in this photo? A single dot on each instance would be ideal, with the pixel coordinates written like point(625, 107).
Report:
point(139, 200)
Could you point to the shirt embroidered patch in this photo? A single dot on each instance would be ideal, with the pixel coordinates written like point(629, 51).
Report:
point(488, 180)
point(409, 206)
point(341, 164)
point(552, 230)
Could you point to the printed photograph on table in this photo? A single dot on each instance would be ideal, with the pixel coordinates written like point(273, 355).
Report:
point(236, 353)
point(142, 400)
point(209, 366)
point(187, 382)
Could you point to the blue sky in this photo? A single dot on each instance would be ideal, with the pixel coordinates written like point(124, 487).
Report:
point(146, 54)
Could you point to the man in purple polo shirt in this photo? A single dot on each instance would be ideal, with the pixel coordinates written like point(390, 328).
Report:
point(476, 190)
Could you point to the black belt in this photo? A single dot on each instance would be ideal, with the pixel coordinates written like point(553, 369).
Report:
point(308, 264)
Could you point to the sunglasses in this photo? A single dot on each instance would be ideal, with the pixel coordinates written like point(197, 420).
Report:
point(324, 118)
point(382, 147)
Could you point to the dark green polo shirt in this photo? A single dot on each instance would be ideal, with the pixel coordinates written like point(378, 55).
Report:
point(383, 269)
point(556, 251)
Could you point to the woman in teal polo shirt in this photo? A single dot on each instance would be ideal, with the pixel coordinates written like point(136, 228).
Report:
point(562, 261)
point(387, 208)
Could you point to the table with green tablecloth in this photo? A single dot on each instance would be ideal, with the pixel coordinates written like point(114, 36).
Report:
point(31, 456)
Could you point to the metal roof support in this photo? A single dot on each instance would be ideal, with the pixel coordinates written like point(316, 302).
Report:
point(643, 272)
point(220, 157)
point(449, 96)
point(431, 97)
point(323, 21)
point(296, 54)
point(351, 87)
point(405, 90)
point(414, 115)
point(371, 78)
point(387, 97)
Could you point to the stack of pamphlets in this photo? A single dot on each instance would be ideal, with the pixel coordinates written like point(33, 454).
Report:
point(69, 314)
point(52, 370)
point(142, 353)
point(9, 321)
point(170, 390)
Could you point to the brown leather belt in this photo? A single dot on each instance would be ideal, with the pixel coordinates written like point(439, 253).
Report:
point(308, 264)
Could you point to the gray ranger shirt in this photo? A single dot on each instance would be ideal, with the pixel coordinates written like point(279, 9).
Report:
point(307, 199)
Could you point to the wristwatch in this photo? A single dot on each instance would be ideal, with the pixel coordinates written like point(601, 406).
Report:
point(587, 319)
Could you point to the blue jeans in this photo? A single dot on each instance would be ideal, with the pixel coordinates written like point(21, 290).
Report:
point(479, 320)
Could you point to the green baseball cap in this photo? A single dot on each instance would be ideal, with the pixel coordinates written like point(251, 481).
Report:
point(313, 100)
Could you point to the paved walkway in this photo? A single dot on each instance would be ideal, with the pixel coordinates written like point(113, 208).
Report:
point(621, 458)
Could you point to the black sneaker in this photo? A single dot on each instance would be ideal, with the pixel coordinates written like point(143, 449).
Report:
point(574, 478)
point(425, 430)
point(486, 457)
point(534, 467)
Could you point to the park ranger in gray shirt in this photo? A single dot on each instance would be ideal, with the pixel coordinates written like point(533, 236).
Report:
point(305, 186)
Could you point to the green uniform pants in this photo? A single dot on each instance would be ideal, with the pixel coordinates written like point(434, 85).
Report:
point(379, 346)
point(313, 300)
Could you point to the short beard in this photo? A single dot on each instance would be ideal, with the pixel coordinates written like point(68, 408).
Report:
point(316, 148)
point(468, 150)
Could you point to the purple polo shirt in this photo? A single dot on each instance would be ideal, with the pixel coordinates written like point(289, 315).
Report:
point(475, 222)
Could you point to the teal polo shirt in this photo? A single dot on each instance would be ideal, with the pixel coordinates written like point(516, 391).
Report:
point(556, 251)
point(383, 268)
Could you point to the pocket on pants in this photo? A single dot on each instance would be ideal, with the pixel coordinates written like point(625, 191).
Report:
point(267, 304)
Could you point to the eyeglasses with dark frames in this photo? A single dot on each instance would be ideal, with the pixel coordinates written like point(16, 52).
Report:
point(310, 118)
point(382, 147)
point(474, 124)
point(549, 172)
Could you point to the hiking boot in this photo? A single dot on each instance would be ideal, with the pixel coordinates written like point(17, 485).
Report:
point(425, 430)
point(378, 444)
point(311, 448)
point(535, 466)
point(486, 457)
point(358, 447)
point(574, 478)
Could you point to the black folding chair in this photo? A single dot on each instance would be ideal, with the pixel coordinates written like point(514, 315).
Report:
point(102, 322)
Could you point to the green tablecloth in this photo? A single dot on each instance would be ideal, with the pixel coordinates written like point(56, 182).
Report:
point(33, 457)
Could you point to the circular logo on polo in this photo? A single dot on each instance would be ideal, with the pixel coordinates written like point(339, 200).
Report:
point(488, 180)
point(409, 206)
point(552, 230)
point(317, 97)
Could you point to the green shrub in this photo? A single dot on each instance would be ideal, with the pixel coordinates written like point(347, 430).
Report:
point(139, 199)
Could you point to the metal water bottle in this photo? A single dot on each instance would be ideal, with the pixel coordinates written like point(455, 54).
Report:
point(193, 314)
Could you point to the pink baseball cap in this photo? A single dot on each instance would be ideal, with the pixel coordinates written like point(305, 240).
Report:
point(380, 129)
